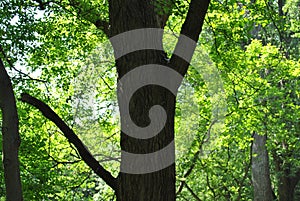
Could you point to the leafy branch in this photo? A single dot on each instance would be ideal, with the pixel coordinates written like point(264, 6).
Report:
point(72, 138)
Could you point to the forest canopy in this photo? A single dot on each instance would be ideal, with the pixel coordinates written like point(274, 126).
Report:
point(235, 119)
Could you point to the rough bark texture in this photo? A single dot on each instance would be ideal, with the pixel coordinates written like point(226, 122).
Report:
point(260, 170)
point(160, 185)
point(10, 137)
point(126, 15)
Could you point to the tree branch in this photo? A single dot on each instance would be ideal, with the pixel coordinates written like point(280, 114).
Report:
point(191, 28)
point(42, 4)
point(72, 138)
point(204, 139)
point(7, 59)
point(85, 12)
point(296, 178)
point(192, 192)
point(90, 14)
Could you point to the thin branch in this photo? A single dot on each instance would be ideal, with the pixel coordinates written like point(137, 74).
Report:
point(7, 59)
point(57, 162)
point(204, 140)
point(247, 169)
point(72, 138)
point(108, 158)
point(42, 4)
point(88, 14)
point(192, 192)
point(209, 185)
point(82, 182)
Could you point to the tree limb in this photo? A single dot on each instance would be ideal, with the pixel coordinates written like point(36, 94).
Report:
point(90, 14)
point(204, 139)
point(192, 192)
point(72, 138)
point(10, 63)
point(191, 28)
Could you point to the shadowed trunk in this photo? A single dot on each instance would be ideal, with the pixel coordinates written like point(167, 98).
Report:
point(158, 185)
point(127, 15)
point(10, 136)
point(288, 180)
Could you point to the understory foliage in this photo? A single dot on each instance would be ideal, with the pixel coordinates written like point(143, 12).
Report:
point(244, 78)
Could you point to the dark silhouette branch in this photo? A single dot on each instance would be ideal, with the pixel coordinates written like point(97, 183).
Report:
point(102, 25)
point(296, 178)
point(72, 138)
point(42, 5)
point(90, 14)
point(191, 28)
point(247, 169)
point(192, 192)
point(204, 140)
point(8, 60)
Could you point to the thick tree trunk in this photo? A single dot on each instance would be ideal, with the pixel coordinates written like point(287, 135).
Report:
point(134, 183)
point(10, 136)
point(260, 169)
point(157, 185)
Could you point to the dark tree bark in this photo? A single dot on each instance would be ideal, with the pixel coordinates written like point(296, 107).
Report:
point(261, 170)
point(286, 188)
point(10, 137)
point(287, 180)
point(126, 15)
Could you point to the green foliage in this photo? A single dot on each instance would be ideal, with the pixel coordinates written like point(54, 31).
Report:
point(253, 64)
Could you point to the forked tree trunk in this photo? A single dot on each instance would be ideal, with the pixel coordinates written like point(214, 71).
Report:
point(157, 185)
point(127, 15)
point(10, 137)
point(260, 169)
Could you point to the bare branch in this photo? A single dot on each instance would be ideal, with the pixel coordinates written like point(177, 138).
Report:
point(72, 138)
point(192, 192)
point(7, 59)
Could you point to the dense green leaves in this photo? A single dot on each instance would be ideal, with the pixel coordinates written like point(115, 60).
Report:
point(246, 69)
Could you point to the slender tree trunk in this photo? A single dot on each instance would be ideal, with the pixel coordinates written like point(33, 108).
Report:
point(10, 136)
point(260, 169)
